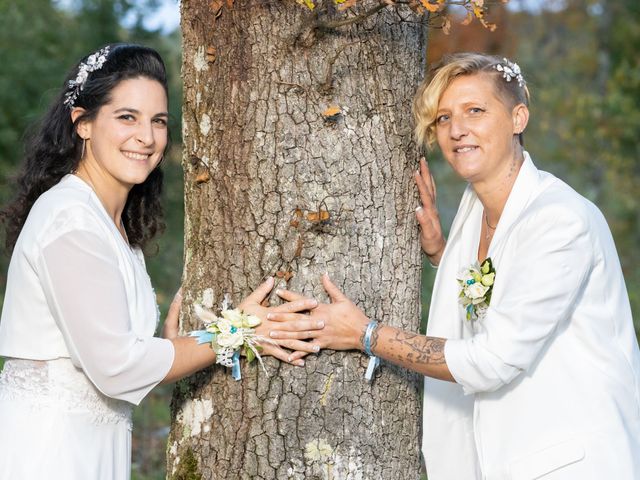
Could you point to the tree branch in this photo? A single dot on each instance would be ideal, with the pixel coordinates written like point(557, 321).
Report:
point(330, 25)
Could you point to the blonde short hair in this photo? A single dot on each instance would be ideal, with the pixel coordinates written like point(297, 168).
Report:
point(425, 103)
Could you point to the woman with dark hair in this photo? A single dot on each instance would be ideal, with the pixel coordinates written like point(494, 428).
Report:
point(79, 311)
point(531, 364)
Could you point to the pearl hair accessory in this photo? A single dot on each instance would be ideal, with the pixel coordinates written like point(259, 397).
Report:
point(510, 70)
point(93, 63)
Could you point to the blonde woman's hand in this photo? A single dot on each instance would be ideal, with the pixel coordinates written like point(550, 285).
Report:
point(345, 323)
point(431, 238)
point(303, 326)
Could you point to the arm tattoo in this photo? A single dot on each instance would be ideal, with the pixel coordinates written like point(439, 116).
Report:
point(422, 350)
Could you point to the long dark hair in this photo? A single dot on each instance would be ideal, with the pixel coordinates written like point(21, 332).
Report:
point(54, 148)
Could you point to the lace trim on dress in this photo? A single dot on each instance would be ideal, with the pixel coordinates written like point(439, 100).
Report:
point(58, 384)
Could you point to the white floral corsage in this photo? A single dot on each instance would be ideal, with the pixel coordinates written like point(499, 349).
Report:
point(476, 286)
point(230, 335)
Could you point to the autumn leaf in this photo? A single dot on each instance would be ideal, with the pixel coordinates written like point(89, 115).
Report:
point(478, 3)
point(332, 111)
point(432, 7)
point(478, 12)
point(203, 177)
point(286, 275)
point(345, 4)
point(319, 216)
point(211, 54)
point(216, 5)
point(446, 26)
point(307, 3)
point(489, 26)
point(299, 246)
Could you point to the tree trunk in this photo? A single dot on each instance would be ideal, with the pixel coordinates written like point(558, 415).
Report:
point(276, 185)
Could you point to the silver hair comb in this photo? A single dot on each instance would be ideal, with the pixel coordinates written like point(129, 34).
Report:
point(93, 63)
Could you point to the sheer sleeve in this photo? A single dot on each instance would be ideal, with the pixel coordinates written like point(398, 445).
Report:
point(87, 297)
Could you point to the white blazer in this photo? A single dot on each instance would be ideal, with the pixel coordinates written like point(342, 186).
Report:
point(548, 383)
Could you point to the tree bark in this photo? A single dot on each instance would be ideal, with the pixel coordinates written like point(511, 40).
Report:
point(275, 185)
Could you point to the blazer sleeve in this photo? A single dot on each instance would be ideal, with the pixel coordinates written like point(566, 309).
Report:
point(541, 282)
point(87, 297)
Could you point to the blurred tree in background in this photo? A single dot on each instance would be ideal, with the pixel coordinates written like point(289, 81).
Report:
point(580, 58)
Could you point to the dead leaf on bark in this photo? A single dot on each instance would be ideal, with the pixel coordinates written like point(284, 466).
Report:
point(332, 111)
point(319, 216)
point(346, 4)
point(203, 177)
point(211, 54)
point(286, 275)
point(216, 6)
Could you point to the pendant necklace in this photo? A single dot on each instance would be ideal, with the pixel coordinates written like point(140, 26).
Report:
point(490, 229)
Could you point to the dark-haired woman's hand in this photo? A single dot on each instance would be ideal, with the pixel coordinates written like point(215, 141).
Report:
point(302, 325)
point(171, 324)
point(431, 237)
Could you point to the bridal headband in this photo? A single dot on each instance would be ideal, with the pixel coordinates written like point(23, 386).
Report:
point(510, 70)
point(75, 86)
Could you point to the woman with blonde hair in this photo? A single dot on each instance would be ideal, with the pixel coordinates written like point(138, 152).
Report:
point(531, 363)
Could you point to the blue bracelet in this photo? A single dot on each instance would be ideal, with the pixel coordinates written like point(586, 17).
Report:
point(373, 360)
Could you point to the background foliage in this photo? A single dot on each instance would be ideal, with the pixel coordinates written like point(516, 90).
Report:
point(579, 57)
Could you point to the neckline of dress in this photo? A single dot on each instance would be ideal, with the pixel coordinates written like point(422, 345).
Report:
point(110, 221)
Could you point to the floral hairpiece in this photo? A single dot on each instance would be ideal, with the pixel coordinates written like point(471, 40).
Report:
point(93, 63)
point(510, 70)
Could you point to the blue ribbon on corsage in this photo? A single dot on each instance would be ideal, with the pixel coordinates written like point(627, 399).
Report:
point(202, 336)
point(235, 369)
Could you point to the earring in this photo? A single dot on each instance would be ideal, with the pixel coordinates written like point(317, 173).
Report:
point(84, 144)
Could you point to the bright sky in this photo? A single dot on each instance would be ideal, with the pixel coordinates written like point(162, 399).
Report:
point(167, 16)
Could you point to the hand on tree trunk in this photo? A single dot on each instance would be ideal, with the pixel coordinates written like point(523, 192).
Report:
point(171, 323)
point(344, 323)
point(301, 325)
point(431, 237)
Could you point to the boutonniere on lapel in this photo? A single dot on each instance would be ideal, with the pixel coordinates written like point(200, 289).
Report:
point(476, 285)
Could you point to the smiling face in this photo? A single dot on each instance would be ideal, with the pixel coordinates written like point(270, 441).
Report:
point(127, 138)
point(476, 130)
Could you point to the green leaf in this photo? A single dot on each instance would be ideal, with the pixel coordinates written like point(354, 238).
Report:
point(250, 355)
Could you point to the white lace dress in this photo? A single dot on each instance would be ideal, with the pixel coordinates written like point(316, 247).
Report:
point(77, 332)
